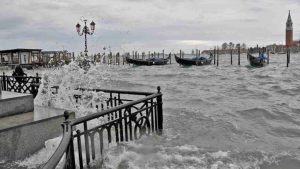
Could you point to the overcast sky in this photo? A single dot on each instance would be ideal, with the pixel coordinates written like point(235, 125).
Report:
point(145, 25)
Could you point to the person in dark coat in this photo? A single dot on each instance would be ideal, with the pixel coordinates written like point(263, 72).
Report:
point(19, 73)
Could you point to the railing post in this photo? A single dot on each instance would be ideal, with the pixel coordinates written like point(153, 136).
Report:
point(37, 80)
point(87, 146)
point(0, 87)
point(159, 112)
point(70, 157)
point(79, 149)
point(4, 82)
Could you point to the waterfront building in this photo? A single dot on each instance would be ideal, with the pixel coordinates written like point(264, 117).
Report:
point(19, 56)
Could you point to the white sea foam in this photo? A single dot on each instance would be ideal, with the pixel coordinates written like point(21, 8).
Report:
point(41, 156)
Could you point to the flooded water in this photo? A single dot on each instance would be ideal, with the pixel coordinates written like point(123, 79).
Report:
point(225, 117)
point(215, 117)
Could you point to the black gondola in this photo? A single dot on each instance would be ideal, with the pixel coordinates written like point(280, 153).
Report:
point(148, 62)
point(257, 61)
point(198, 61)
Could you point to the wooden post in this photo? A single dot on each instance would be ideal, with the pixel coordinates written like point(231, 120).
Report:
point(159, 112)
point(268, 52)
point(217, 57)
point(111, 58)
point(4, 84)
point(231, 56)
point(214, 56)
point(117, 57)
point(170, 58)
point(163, 53)
point(287, 57)
point(1, 87)
point(239, 55)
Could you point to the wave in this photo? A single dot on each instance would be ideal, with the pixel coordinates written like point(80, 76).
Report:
point(131, 156)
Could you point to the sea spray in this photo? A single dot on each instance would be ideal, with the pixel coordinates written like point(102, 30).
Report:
point(67, 80)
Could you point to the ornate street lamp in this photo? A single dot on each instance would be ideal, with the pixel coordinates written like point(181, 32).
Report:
point(85, 31)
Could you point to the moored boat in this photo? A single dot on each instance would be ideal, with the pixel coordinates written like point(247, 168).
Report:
point(198, 61)
point(259, 61)
point(148, 62)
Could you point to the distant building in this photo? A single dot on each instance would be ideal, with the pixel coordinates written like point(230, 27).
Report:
point(31, 57)
point(289, 41)
point(56, 56)
point(19, 56)
point(293, 45)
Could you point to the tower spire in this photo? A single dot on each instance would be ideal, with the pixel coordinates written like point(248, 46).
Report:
point(289, 20)
point(289, 31)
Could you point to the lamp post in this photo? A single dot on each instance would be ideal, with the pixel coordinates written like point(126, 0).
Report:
point(85, 31)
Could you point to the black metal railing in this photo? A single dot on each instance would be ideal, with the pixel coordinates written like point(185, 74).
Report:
point(124, 120)
point(21, 84)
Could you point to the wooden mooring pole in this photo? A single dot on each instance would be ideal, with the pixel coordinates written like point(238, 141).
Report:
point(180, 54)
point(123, 60)
point(268, 53)
point(287, 57)
point(231, 56)
point(239, 55)
point(159, 112)
point(214, 56)
point(217, 57)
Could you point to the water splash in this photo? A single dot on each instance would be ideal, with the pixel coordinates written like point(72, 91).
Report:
point(69, 78)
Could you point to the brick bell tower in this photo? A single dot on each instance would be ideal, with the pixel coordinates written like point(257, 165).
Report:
point(289, 32)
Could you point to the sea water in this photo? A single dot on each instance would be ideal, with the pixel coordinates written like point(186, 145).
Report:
point(214, 117)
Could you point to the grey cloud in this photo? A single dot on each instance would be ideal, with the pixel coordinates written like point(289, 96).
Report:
point(135, 22)
point(11, 22)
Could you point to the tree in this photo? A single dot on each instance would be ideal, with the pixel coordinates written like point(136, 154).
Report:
point(224, 46)
point(231, 45)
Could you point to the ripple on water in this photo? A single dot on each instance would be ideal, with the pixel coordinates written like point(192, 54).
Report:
point(225, 117)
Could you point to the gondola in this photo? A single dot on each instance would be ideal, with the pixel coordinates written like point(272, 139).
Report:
point(198, 61)
point(148, 62)
point(260, 61)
